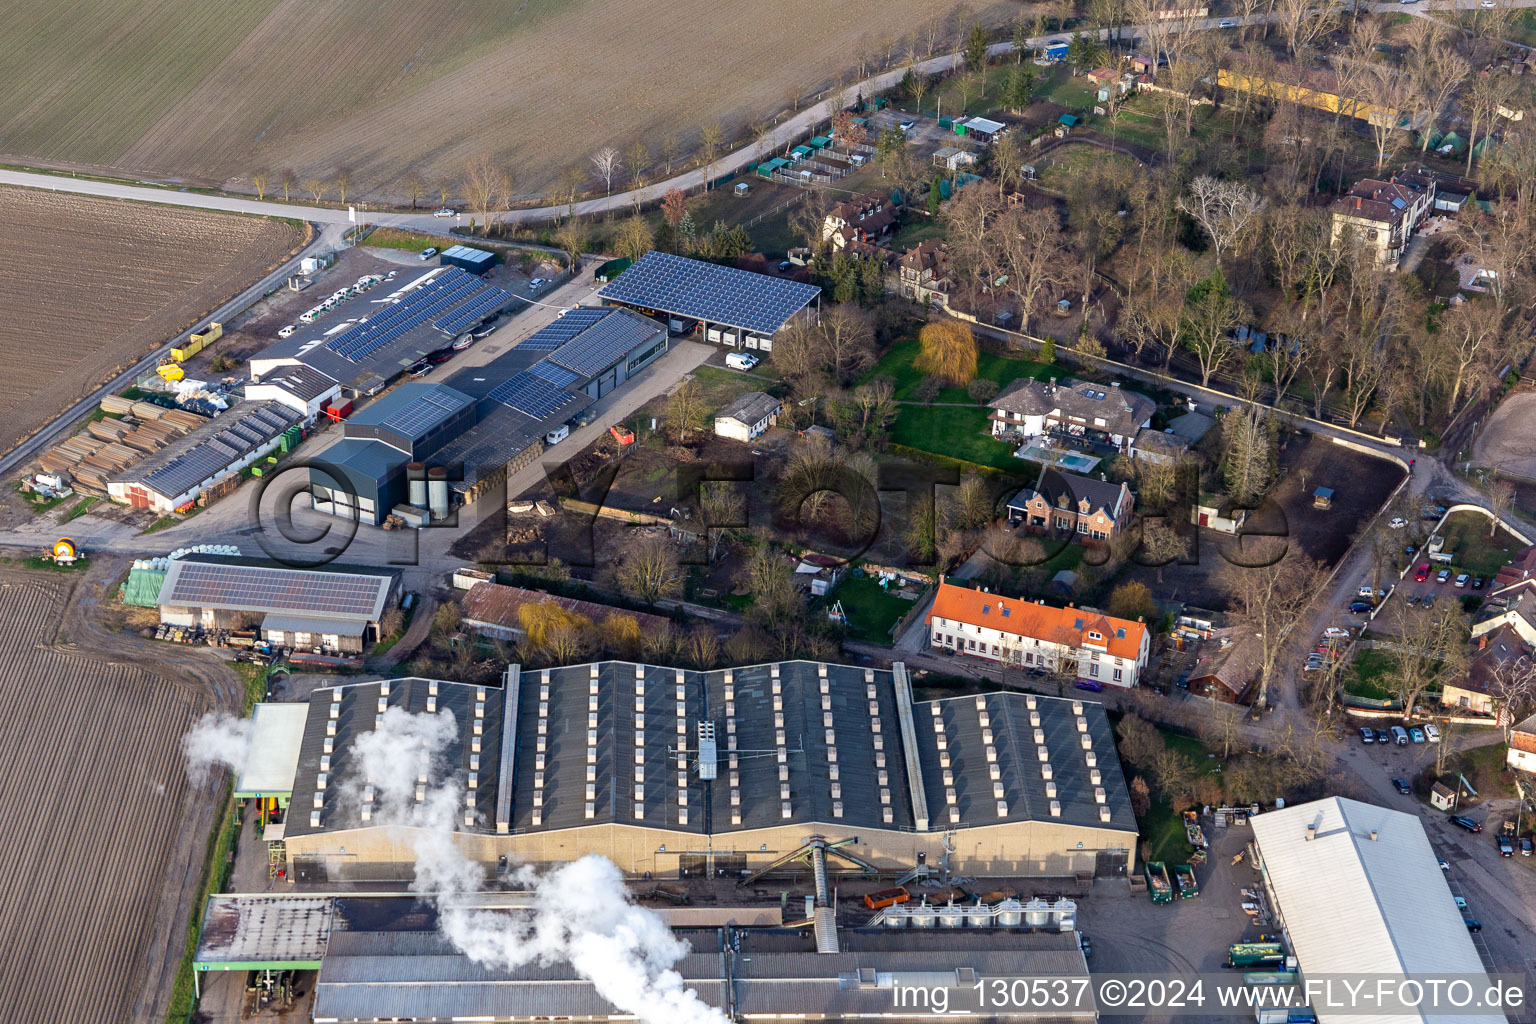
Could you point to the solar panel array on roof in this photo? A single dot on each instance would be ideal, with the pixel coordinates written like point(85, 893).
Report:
point(203, 584)
point(429, 409)
point(530, 394)
point(215, 453)
point(419, 306)
point(478, 308)
point(570, 324)
point(559, 376)
point(604, 343)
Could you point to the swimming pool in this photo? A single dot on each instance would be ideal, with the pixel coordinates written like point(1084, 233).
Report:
point(1069, 461)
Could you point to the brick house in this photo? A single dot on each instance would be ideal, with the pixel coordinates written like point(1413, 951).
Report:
point(1070, 503)
point(1073, 408)
point(1383, 215)
point(863, 218)
point(923, 273)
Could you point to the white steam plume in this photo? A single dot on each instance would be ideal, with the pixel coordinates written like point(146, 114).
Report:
point(217, 740)
point(582, 912)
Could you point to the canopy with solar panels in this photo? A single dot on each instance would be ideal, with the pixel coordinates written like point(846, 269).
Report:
point(755, 304)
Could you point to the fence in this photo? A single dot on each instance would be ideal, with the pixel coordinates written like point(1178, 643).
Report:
point(791, 201)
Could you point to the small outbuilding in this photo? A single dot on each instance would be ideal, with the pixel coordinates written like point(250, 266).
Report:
point(748, 417)
point(1442, 797)
point(1322, 497)
point(476, 261)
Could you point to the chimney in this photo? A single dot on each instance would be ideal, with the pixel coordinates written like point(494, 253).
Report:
point(1373, 835)
point(1311, 832)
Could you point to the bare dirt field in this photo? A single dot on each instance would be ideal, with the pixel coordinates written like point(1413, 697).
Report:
point(91, 285)
point(1508, 442)
point(103, 839)
point(187, 89)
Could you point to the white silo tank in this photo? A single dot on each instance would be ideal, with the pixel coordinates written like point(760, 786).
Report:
point(1010, 914)
point(979, 916)
point(1037, 913)
point(951, 916)
point(896, 916)
point(923, 916)
point(1064, 913)
point(437, 492)
point(416, 475)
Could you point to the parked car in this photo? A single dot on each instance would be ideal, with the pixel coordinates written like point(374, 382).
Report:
point(446, 211)
point(557, 435)
point(1525, 846)
point(1444, 864)
point(582, 418)
point(537, 283)
point(1462, 580)
point(1432, 732)
point(1416, 734)
point(1477, 583)
point(783, 266)
point(908, 125)
point(1382, 736)
point(428, 253)
point(1361, 607)
point(1486, 5)
point(1462, 821)
point(286, 332)
point(1086, 943)
point(1472, 923)
point(1442, 576)
point(1421, 573)
point(420, 368)
point(1402, 786)
point(1429, 600)
point(740, 360)
point(1410, 551)
point(1398, 523)
point(1506, 848)
point(1367, 736)
point(440, 355)
point(1461, 902)
point(1335, 633)
point(1227, 23)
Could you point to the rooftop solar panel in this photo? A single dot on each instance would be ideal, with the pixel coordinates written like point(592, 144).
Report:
point(559, 376)
point(534, 396)
point(706, 291)
point(213, 453)
point(604, 343)
point(204, 584)
point(570, 324)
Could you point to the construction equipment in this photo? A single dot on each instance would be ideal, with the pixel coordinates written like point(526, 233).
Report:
point(1184, 875)
point(1237, 858)
point(1157, 882)
point(64, 552)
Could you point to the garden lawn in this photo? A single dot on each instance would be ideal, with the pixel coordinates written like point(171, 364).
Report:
point(871, 611)
point(994, 366)
point(958, 432)
point(1366, 675)
point(1466, 538)
point(1162, 830)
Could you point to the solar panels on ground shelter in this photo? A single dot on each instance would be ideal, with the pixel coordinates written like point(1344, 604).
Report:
point(531, 394)
point(706, 291)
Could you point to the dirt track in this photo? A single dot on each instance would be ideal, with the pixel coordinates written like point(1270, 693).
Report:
point(103, 836)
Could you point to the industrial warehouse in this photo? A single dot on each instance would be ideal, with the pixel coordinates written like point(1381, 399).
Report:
point(676, 773)
point(403, 454)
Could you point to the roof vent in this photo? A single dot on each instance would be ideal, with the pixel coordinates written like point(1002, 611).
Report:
point(1043, 753)
point(1077, 707)
point(1104, 814)
point(1050, 789)
point(1091, 758)
point(1374, 835)
point(1039, 735)
point(314, 819)
point(1055, 808)
point(1099, 796)
point(1002, 808)
point(1082, 724)
point(1029, 701)
point(1311, 831)
point(1046, 771)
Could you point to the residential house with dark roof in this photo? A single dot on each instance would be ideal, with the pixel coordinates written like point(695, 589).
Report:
point(1383, 215)
point(862, 218)
point(1522, 746)
point(923, 273)
point(1073, 504)
point(1097, 649)
point(1521, 567)
point(1082, 410)
point(1497, 656)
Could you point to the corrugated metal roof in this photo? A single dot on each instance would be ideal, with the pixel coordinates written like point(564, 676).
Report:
point(1357, 905)
point(263, 929)
point(277, 730)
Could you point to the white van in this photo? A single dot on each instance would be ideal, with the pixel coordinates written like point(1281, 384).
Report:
point(557, 435)
point(740, 361)
point(1399, 735)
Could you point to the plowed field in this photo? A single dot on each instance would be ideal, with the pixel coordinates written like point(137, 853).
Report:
point(90, 285)
point(93, 795)
point(214, 92)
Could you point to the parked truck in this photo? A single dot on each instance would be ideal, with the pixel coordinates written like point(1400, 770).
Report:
point(1184, 875)
point(1248, 956)
point(1157, 882)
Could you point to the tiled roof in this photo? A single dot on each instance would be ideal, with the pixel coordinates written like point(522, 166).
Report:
point(1122, 637)
point(498, 605)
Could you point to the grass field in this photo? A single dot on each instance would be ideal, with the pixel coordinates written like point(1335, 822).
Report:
point(1069, 162)
point(1466, 538)
point(1366, 676)
point(78, 917)
point(186, 89)
point(103, 282)
point(871, 611)
point(958, 432)
point(1004, 370)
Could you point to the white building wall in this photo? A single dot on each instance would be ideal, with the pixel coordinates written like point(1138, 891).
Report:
point(1014, 649)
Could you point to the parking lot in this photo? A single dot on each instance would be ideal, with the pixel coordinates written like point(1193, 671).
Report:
point(1131, 934)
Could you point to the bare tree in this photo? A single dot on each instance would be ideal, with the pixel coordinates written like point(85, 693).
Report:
point(711, 136)
point(1431, 649)
point(1224, 209)
point(480, 187)
point(287, 181)
point(670, 149)
point(647, 568)
point(343, 179)
point(316, 187)
point(1267, 600)
point(723, 509)
point(606, 163)
point(1512, 685)
point(1482, 102)
point(414, 187)
point(1501, 495)
point(685, 409)
point(259, 181)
